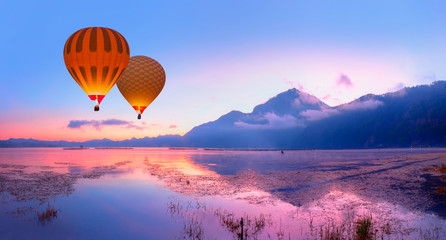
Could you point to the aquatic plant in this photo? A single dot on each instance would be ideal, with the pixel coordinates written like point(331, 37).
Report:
point(430, 234)
point(47, 215)
point(193, 229)
point(332, 231)
point(364, 228)
point(441, 190)
point(442, 168)
point(246, 227)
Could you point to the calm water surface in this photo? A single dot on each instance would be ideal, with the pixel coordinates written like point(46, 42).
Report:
point(147, 193)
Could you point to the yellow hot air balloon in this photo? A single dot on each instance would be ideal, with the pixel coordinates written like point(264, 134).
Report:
point(141, 82)
point(96, 57)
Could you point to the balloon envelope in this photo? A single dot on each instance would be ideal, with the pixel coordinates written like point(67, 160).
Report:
point(96, 57)
point(141, 82)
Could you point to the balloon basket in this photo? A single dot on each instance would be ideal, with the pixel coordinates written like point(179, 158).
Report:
point(96, 108)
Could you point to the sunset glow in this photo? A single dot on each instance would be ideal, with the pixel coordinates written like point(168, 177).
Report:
point(217, 58)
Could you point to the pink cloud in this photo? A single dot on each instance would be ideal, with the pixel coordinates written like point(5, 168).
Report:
point(173, 126)
point(98, 125)
point(329, 98)
point(344, 80)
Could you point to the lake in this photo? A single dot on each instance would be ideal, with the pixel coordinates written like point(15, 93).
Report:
point(161, 193)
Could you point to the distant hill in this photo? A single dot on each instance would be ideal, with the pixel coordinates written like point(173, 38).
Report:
point(410, 117)
point(160, 141)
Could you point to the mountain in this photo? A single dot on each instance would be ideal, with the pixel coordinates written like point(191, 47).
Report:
point(269, 125)
point(410, 117)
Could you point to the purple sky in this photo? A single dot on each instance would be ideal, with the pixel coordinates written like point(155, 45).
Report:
point(218, 56)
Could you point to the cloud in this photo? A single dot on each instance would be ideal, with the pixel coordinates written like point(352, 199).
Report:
point(400, 93)
point(370, 104)
point(173, 126)
point(75, 124)
point(344, 80)
point(398, 90)
point(80, 123)
point(273, 122)
point(134, 126)
point(397, 87)
point(314, 115)
point(114, 122)
point(332, 99)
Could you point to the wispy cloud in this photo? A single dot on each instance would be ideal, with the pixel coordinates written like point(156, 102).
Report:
point(370, 104)
point(398, 90)
point(77, 124)
point(114, 122)
point(80, 123)
point(314, 115)
point(344, 80)
point(273, 122)
point(173, 126)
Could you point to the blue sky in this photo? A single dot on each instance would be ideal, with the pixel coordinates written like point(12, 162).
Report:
point(218, 56)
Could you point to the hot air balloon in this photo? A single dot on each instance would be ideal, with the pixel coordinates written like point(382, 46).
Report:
point(141, 82)
point(96, 57)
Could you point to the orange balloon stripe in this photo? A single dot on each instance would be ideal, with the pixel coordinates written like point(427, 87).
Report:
point(95, 58)
point(71, 61)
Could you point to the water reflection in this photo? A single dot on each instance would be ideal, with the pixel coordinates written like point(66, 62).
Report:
point(198, 194)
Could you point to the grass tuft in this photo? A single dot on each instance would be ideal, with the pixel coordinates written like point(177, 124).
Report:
point(47, 215)
point(442, 168)
point(364, 228)
point(441, 190)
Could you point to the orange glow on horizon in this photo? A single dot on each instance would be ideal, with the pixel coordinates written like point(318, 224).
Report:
point(56, 129)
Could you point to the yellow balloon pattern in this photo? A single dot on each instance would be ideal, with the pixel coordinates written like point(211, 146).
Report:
point(141, 82)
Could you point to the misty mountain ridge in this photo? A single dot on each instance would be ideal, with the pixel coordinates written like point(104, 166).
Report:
point(282, 111)
point(414, 116)
point(289, 109)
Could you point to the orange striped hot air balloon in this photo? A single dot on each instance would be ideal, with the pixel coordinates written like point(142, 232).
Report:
point(96, 57)
point(141, 82)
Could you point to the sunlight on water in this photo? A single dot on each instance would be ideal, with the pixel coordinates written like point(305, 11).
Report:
point(151, 193)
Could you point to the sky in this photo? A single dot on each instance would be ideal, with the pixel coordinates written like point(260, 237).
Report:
point(218, 56)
